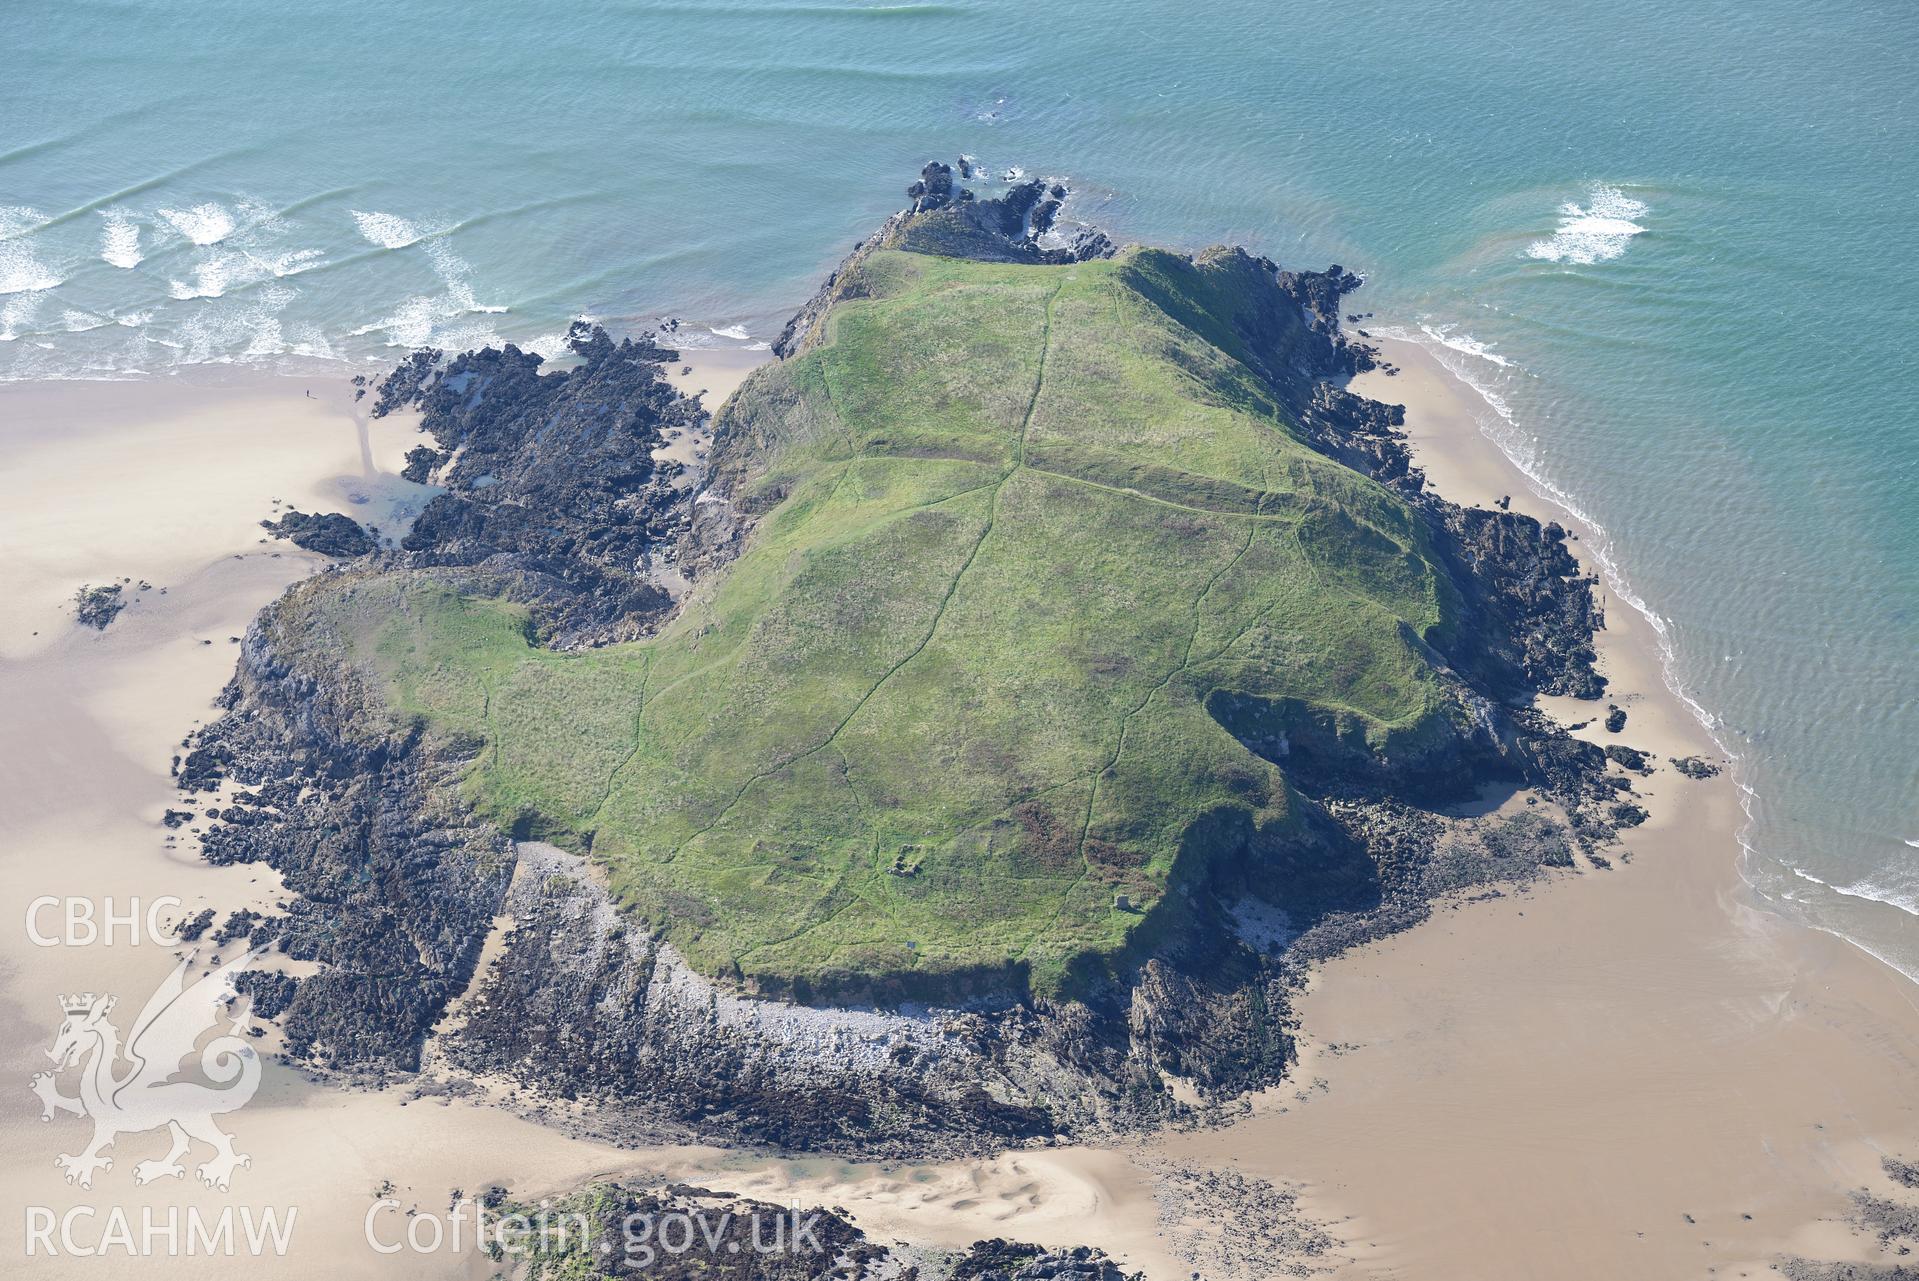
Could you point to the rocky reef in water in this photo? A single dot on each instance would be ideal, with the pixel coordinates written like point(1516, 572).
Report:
point(552, 499)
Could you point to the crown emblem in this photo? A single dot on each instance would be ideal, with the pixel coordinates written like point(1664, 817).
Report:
point(153, 1093)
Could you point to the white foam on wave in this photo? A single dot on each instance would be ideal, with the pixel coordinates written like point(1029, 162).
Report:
point(227, 305)
point(454, 270)
point(19, 220)
point(239, 246)
point(409, 325)
point(222, 270)
point(1891, 886)
point(736, 332)
point(428, 320)
point(253, 330)
point(22, 271)
point(556, 345)
point(388, 231)
point(204, 224)
point(1875, 892)
point(120, 240)
point(391, 231)
point(210, 280)
point(16, 314)
point(1597, 231)
point(296, 261)
point(1465, 344)
point(75, 321)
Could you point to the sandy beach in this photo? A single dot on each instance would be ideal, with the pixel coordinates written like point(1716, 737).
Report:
point(1623, 1073)
point(1627, 1072)
point(166, 483)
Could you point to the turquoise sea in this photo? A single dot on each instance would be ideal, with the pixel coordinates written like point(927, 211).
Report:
point(1672, 245)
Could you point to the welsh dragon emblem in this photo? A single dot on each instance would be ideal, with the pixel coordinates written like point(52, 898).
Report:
point(133, 1088)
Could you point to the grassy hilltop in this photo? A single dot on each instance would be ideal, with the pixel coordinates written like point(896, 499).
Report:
point(1030, 539)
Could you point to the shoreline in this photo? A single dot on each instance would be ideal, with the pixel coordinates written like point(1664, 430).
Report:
point(1758, 973)
point(196, 464)
point(1337, 1136)
point(1437, 380)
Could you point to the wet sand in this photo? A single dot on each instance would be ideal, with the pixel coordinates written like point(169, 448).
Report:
point(1624, 1073)
point(167, 482)
point(1541, 1084)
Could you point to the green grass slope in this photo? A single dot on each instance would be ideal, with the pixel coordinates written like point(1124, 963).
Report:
point(1027, 531)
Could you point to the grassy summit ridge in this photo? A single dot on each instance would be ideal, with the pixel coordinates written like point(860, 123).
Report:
point(1030, 537)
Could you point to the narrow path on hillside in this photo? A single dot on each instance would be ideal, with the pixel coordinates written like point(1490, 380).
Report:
point(939, 614)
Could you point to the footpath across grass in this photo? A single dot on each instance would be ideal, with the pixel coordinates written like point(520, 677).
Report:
point(945, 723)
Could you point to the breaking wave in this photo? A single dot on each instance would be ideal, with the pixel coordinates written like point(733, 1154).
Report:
point(1465, 344)
point(15, 314)
point(1594, 232)
point(1905, 898)
point(221, 271)
point(120, 240)
point(204, 224)
point(428, 320)
point(388, 231)
point(22, 272)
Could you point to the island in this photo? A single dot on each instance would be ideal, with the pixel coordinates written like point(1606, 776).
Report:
point(1048, 661)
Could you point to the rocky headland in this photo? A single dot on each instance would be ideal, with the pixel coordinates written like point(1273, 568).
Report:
point(396, 882)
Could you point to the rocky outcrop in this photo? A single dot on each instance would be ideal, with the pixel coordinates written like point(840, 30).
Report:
point(1020, 225)
point(1886, 1226)
point(679, 1233)
point(95, 607)
point(1016, 226)
point(583, 1005)
point(1534, 612)
point(330, 535)
point(580, 1004)
point(552, 472)
point(684, 1233)
point(420, 462)
point(391, 885)
point(1001, 1260)
point(1794, 1269)
point(1531, 610)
